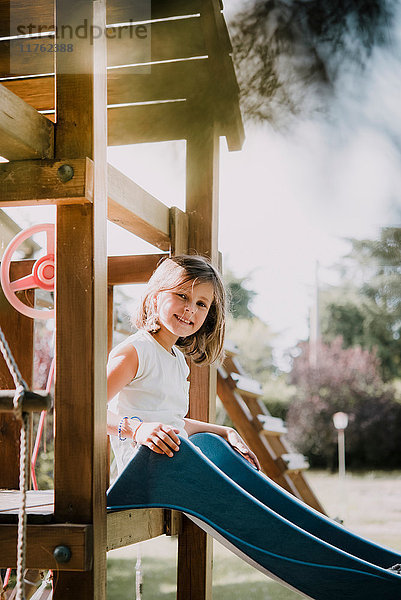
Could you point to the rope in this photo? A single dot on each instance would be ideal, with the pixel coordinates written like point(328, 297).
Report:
point(20, 388)
point(11, 364)
point(23, 478)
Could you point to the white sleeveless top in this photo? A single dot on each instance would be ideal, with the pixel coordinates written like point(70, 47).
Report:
point(158, 392)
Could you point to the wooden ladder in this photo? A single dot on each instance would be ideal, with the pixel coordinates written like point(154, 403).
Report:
point(263, 433)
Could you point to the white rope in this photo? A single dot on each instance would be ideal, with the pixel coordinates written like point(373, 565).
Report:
point(11, 364)
point(23, 479)
point(138, 573)
point(20, 386)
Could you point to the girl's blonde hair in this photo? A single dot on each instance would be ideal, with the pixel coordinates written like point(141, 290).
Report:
point(206, 345)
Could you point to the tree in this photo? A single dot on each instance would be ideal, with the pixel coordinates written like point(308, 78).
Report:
point(249, 333)
point(240, 297)
point(368, 312)
point(345, 380)
point(288, 51)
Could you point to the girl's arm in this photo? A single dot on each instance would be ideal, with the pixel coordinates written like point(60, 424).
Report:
point(228, 433)
point(122, 367)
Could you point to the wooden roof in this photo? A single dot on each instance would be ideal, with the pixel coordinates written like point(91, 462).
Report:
point(156, 89)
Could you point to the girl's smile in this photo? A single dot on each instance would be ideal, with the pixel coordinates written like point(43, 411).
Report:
point(182, 311)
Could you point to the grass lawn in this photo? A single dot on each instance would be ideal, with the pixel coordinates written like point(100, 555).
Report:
point(369, 504)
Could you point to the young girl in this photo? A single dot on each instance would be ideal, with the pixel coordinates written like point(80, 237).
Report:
point(182, 313)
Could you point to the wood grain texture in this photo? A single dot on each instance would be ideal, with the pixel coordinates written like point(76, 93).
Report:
point(131, 269)
point(195, 551)
point(15, 14)
point(178, 231)
point(31, 401)
point(202, 188)
point(149, 123)
point(81, 341)
point(121, 11)
point(166, 81)
point(41, 541)
point(38, 92)
point(194, 546)
point(161, 40)
point(37, 182)
point(27, 56)
point(218, 45)
point(41, 13)
point(131, 526)
point(24, 133)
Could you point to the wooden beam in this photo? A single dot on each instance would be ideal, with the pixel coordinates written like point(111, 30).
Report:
point(24, 133)
point(27, 56)
point(9, 229)
point(121, 11)
point(131, 269)
point(41, 13)
point(133, 208)
point(38, 92)
point(194, 546)
point(122, 270)
point(166, 81)
point(31, 401)
point(160, 40)
point(234, 406)
point(218, 46)
point(131, 526)
point(20, 13)
point(36, 182)
point(178, 231)
point(81, 299)
point(41, 542)
point(148, 123)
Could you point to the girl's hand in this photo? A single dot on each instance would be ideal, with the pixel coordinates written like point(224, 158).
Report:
point(236, 441)
point(160, 438)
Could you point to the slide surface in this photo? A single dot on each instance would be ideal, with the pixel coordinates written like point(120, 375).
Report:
point(193, 484)
point(285, 504)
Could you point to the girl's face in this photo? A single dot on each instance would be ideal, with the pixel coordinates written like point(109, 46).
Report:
point(183, 310)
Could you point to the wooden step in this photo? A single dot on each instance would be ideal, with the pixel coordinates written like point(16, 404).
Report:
point(272, 425)
point(246, 385)
point(295, 462)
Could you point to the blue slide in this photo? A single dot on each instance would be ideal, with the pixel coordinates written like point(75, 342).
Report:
point(267, 527)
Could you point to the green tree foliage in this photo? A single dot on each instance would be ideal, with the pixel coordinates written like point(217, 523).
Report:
point(248, 332)
point(286, 49)
point(254, 340)
point(368, 312)
point(240, 296)
point(348, 380)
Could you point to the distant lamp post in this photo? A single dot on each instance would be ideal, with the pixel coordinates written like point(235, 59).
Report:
point(340, 420)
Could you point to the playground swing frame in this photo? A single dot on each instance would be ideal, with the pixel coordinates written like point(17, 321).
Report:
point(42, 156)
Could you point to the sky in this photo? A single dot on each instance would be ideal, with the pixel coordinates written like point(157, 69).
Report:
point(288, 200)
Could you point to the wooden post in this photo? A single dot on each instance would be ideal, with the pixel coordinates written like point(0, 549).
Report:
point(18, 331)
point(194, 546)
point(81, 298)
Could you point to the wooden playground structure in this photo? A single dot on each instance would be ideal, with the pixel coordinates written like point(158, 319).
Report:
point(161, 73)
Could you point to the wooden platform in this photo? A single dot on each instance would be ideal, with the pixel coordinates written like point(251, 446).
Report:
point(40, 506)
point(123, 528)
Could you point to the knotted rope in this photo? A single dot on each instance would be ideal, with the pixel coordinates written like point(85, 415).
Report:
point(20, 388)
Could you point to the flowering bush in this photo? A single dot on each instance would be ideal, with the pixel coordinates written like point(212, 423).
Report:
point(344, 380)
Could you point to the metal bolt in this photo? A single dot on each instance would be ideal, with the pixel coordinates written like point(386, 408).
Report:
point(65, 173)
point(62, 554)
